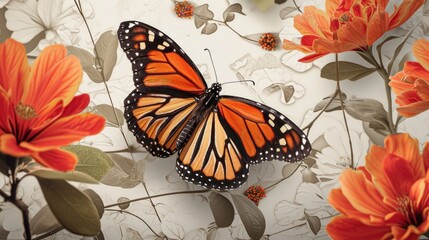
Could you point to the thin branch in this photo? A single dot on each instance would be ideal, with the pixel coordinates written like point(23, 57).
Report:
point(47, 234)
point(296, 5)
point(299, 225)
point(156, 196)
point(344, 111)
point(151, 202)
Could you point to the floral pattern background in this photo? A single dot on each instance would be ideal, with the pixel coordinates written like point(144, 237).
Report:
point(295, 206)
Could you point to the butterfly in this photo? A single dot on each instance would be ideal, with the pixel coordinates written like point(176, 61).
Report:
point(216, 136)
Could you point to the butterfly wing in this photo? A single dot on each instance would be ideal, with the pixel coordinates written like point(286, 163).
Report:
point(156, 120)
point(167, 87)
point(211, 158)
point(159, 64)
point(264, 133)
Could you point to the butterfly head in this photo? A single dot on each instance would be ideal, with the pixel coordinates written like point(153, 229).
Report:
point(215, 89)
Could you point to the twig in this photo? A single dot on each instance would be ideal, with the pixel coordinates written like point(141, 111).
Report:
point(156, 196)
point(134, 215)
point(343, 110)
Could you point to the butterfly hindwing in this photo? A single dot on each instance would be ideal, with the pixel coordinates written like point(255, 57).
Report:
point(159, 64)
point(265, 134)
point(156, 120)
point(210, 158)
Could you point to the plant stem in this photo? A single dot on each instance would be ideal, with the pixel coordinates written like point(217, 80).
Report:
point(151, 202)
point(299, 225)
point(344, 112)
point(79, 7)
point(383, 73)
point(308, 127)
point(156, 196)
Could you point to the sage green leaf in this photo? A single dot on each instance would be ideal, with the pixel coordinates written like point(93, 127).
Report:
point(110, 114)
point(228, 14)
point(222, 209)
point(124, 163)
point(122, 175)
point(288, 12)
point(289, 169)
point(107, 46)
point(209, 28)
point(44, 221)
point(89, 66)
point(96, 199)
point(314, 223)
point(70, 176)
point(346, 70)
point(202, 15)
point(71, 207)
point(333, 106)
point(252, 218)
point(100, 236)
point(5, 33)
point(92, 161)
point(375, 137)
point(368, 110)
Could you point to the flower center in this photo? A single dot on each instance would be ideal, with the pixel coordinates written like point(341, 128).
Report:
point(406, 207)
point(25, 111)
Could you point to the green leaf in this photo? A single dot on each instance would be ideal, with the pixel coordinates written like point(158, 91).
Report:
point(346, 70)
point(71, 207)
point(222, 209)
point(209, 28)
point(87, 60)
point(333, 106)
point(70, 176)
point(92, 161)
point(109, 112)
point(314, 223)
point(123, 174)
point(96, 199)
point(252, 218)
point(368, 110)
point(44, 221)
point(289, 169)
point(107, 46)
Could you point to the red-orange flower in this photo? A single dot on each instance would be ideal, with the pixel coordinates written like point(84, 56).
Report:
point(183, 9)
point(40, 112)
point(255, 193)
point(346, 25)
point(386, 199)
point(411, 85)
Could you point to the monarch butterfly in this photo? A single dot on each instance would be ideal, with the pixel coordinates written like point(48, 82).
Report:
point(216, 136)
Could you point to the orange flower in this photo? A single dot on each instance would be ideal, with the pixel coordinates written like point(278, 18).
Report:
point(183, 9)
point(346, 25)
point(255, 193)
point(39, 110)
point(388, 198)
point(411, 85)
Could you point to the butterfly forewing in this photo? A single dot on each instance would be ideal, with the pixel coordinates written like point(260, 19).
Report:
point(159, 64)
point(265, 134)
point(157, 120)
point(210, 158)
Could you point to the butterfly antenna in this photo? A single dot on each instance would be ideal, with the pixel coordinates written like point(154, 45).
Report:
point(240, 81)
point(211, 59)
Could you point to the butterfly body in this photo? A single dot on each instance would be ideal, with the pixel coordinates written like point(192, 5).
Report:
point(216, 136)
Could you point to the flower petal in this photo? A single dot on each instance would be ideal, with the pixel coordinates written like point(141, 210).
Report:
point(399, 174)
point(401, 82)
point(338, 201)
point(313, 22)
point(362, 194)
point(54, 74)
point(413, 109)
point(404, 12)
point(353, 33)
point(66, 131)
point(407, 148)
point(422, 89)
point(77, 105)
point(415, 69)
point(377, 26)
point(9, 146)
point(342, 227)
point(57, 159)
point(331, 6)
point(289, 45)
point(425, 155)
point(14, 68)
point(421, 52)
